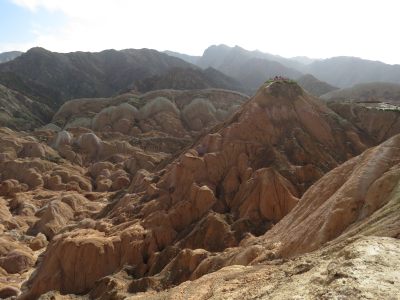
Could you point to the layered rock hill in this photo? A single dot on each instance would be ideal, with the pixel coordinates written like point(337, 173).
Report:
point(118, 223)
point(56, 179)
point(272, 202)
point(160, 113)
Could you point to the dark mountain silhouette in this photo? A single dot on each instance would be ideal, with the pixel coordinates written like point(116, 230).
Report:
point(52, 78)
point(7, 56)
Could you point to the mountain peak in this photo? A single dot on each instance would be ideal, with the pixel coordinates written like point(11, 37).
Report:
point(37, 50)
point(280, 87)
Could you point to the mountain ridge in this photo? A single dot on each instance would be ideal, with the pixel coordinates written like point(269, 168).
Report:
point(55, 77)
point(340, 71)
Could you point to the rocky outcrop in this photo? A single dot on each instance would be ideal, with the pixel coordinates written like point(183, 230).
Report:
point(15, 258)
point(358, 202)
point(363, 269)
point(237, 182)
point(359, 197)
point(97, 213)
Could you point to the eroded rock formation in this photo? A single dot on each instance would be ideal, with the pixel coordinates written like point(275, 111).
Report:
point(94, 212)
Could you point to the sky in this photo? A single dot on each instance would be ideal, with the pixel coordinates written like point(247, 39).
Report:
point(315, 28)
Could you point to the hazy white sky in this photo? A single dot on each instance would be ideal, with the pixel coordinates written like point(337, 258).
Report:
point(315, 28)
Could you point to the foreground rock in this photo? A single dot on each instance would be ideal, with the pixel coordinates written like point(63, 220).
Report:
point(366, 268)
point(360, 197)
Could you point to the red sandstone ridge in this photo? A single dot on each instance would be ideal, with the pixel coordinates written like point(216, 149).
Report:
point(349, 219)
point(236, 182)
point(360, 197)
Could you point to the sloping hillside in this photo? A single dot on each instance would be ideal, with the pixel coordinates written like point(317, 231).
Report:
point(189, 79)
point(52, 78)
point(368, 92)
point(315, 86)
point(21, 113)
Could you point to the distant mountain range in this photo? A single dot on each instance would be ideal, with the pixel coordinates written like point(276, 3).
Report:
point(189, 58)
point(314, 85)
point(368, 92)
point(52, 78)
point(251, 67)
point(347, 71)
point(7, 56)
